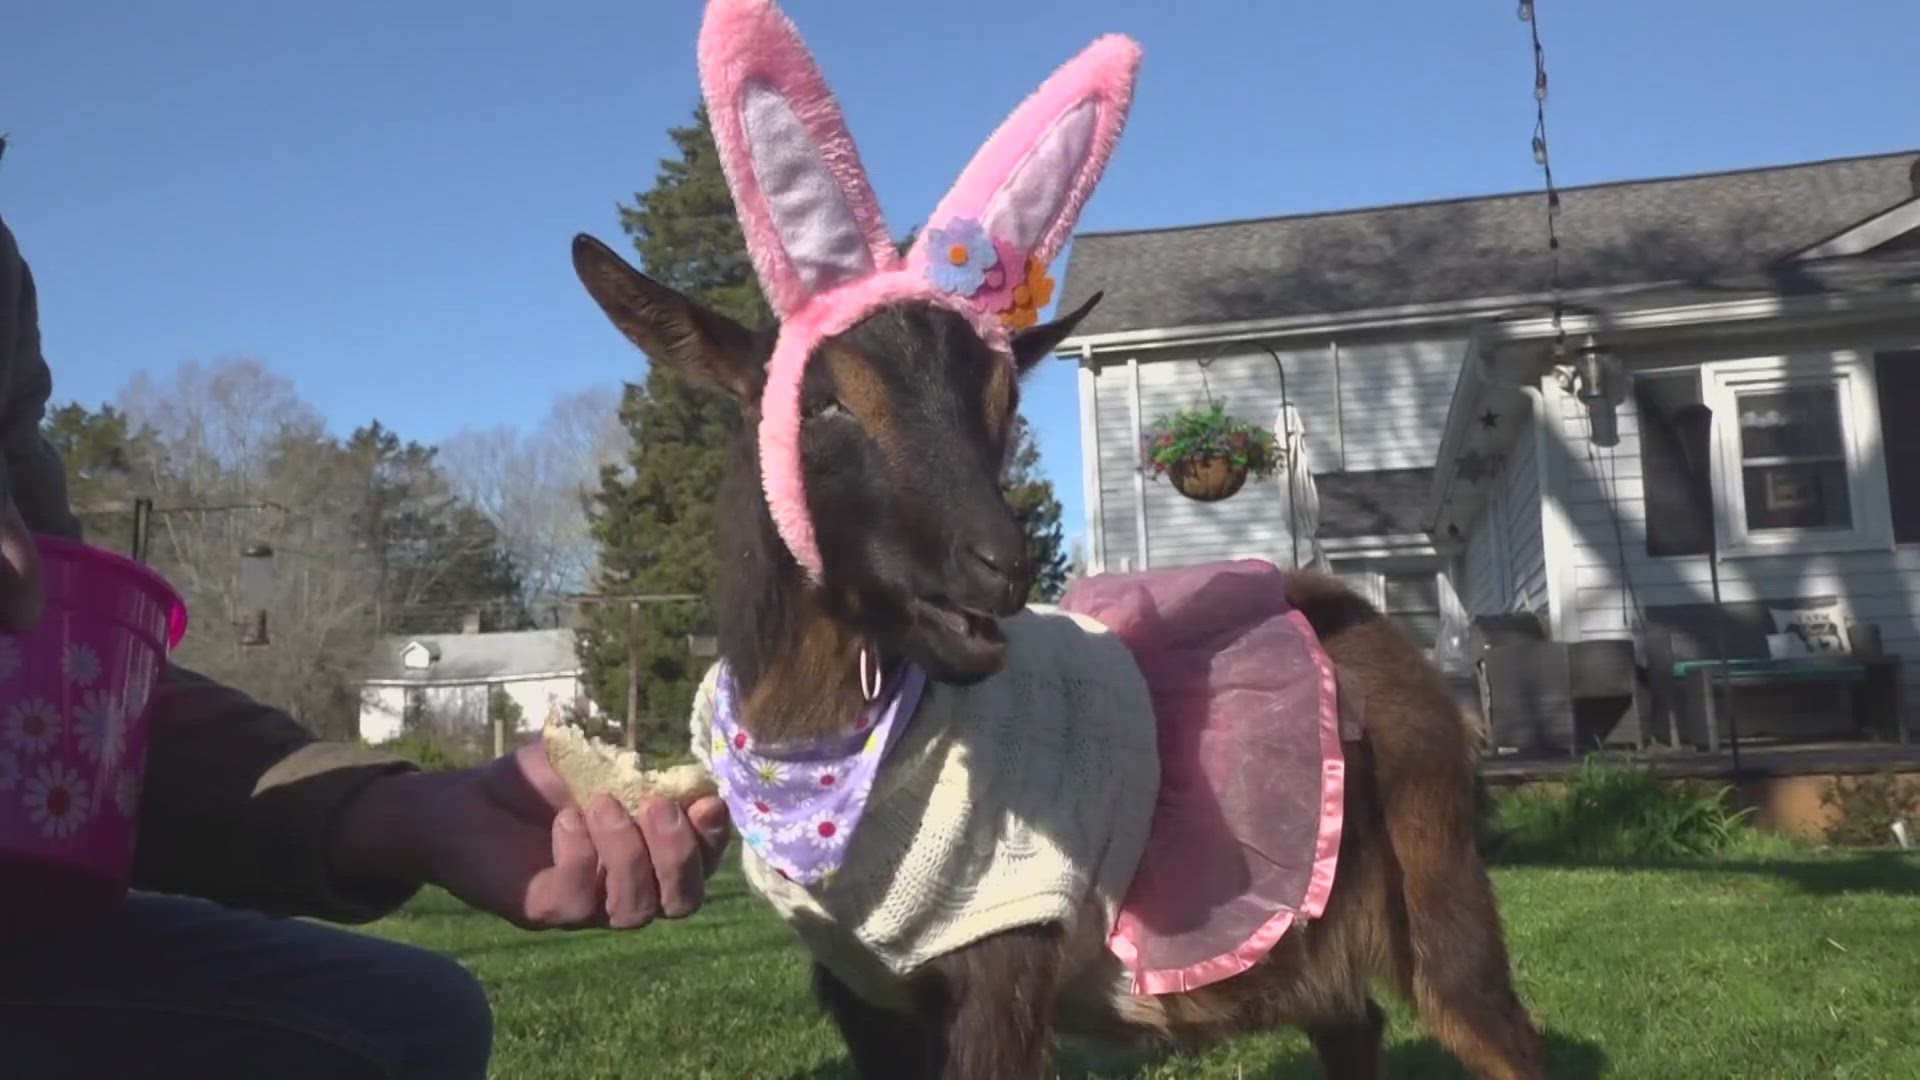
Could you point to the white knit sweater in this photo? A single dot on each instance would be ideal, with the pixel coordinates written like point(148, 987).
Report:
point(1023, 799)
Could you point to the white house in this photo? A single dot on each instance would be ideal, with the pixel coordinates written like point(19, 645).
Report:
point(448, 679)
point(1455, 466)
point(1606, 501)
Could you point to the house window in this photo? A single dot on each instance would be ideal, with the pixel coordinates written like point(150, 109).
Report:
point(1797, 462)
point(1793, 459)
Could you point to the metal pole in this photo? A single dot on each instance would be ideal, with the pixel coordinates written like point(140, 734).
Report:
point(499, 723)
point(633, 674)
point(1720, 647)
point(1293, 507)
point(1698, 419)
point(142, 523)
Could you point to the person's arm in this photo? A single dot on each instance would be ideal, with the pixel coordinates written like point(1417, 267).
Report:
point(242, 802)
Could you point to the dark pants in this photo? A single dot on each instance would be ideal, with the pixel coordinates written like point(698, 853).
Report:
point(182, 988)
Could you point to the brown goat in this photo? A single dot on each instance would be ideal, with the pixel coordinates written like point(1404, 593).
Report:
point(906, 425)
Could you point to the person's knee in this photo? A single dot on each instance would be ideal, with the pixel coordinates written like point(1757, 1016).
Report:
point(453, 1032)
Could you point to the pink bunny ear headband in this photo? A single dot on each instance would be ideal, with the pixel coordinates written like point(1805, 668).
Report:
point(813, 227)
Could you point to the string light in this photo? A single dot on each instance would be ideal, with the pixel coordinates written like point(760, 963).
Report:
point(1544, 159)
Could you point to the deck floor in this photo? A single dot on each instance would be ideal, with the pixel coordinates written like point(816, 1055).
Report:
point(1756, 761)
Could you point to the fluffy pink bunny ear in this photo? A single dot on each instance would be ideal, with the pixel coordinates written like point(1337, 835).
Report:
point(810, 217)
point(1027, 184)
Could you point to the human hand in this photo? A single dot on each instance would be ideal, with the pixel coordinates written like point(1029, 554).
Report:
point(507, 838)
point(20, 589)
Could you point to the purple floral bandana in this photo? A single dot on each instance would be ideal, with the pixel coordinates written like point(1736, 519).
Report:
point(797, 804)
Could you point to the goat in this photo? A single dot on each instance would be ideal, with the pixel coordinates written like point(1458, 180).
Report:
point(898, 417)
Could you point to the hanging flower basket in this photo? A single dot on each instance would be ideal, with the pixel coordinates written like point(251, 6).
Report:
point(1207, 453)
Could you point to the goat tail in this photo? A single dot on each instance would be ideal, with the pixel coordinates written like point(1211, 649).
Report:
point(1421, 748)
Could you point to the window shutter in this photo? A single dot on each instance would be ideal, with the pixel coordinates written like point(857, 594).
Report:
point(1679, 516)
point(1897, 374)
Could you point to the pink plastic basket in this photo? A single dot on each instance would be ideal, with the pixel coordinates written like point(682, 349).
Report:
point(73, 732)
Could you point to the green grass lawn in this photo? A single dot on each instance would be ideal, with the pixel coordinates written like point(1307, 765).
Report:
point(1796, 968)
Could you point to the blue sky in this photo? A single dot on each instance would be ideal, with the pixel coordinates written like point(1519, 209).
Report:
point(376, 198)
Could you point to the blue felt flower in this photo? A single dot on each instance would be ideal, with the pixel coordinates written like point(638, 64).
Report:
point(959, 256)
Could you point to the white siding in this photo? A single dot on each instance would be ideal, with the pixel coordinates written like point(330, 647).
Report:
point(1388, 413)
point(1505, 559)
point(1880, 586)
point(382, 713)
point(383, 707)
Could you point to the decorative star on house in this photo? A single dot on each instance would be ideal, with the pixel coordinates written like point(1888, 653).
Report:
point(1489, 419)
point(1472, 467)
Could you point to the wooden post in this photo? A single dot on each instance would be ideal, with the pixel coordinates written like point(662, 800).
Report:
point(499, 722)
point(633, 674)
point(142, 516)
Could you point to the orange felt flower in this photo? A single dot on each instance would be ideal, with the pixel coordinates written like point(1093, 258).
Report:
point(1038, 283)
point(1029, 296)
point(1019, 318)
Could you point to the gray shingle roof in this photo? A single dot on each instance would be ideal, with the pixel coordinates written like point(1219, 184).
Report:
point(471, 657)
point(1688, 228)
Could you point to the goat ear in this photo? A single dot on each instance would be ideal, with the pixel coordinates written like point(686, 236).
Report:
point(672, 330)
point(1032, 345)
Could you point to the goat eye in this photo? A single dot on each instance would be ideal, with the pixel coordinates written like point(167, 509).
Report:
point(826, 409)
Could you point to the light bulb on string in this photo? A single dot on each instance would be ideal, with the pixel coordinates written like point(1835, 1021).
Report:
point(1526, 10)
point(1539, 150)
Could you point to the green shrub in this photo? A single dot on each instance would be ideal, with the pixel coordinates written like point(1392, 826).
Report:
point(1610, 813)
point(433, 755)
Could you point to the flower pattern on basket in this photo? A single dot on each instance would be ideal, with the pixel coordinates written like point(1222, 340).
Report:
point(56, 798)
point(126, 792)
point(32, 725)
point(98, 729)
point(80, 664)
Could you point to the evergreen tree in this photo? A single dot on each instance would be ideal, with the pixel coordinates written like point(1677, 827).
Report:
point(654, 521)
point(104, 459)
point(437, 557)
point(1031, 496)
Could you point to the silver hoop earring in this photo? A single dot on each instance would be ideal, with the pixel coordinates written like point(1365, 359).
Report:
point(869, 675)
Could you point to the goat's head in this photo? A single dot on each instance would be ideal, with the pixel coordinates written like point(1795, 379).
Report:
point(905, 425)
point(882, 411)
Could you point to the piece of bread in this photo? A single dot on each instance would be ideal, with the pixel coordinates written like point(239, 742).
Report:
point(591, 767)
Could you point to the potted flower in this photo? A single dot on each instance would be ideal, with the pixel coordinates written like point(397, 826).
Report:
point(1207, 453)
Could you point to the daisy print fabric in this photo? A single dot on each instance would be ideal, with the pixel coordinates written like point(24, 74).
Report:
point(797, 804)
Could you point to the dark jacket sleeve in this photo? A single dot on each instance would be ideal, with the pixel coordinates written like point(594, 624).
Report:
point(239, 803)
point(239, 798)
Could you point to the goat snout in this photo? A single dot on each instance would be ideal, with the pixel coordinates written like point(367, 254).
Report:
point(997, 571)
